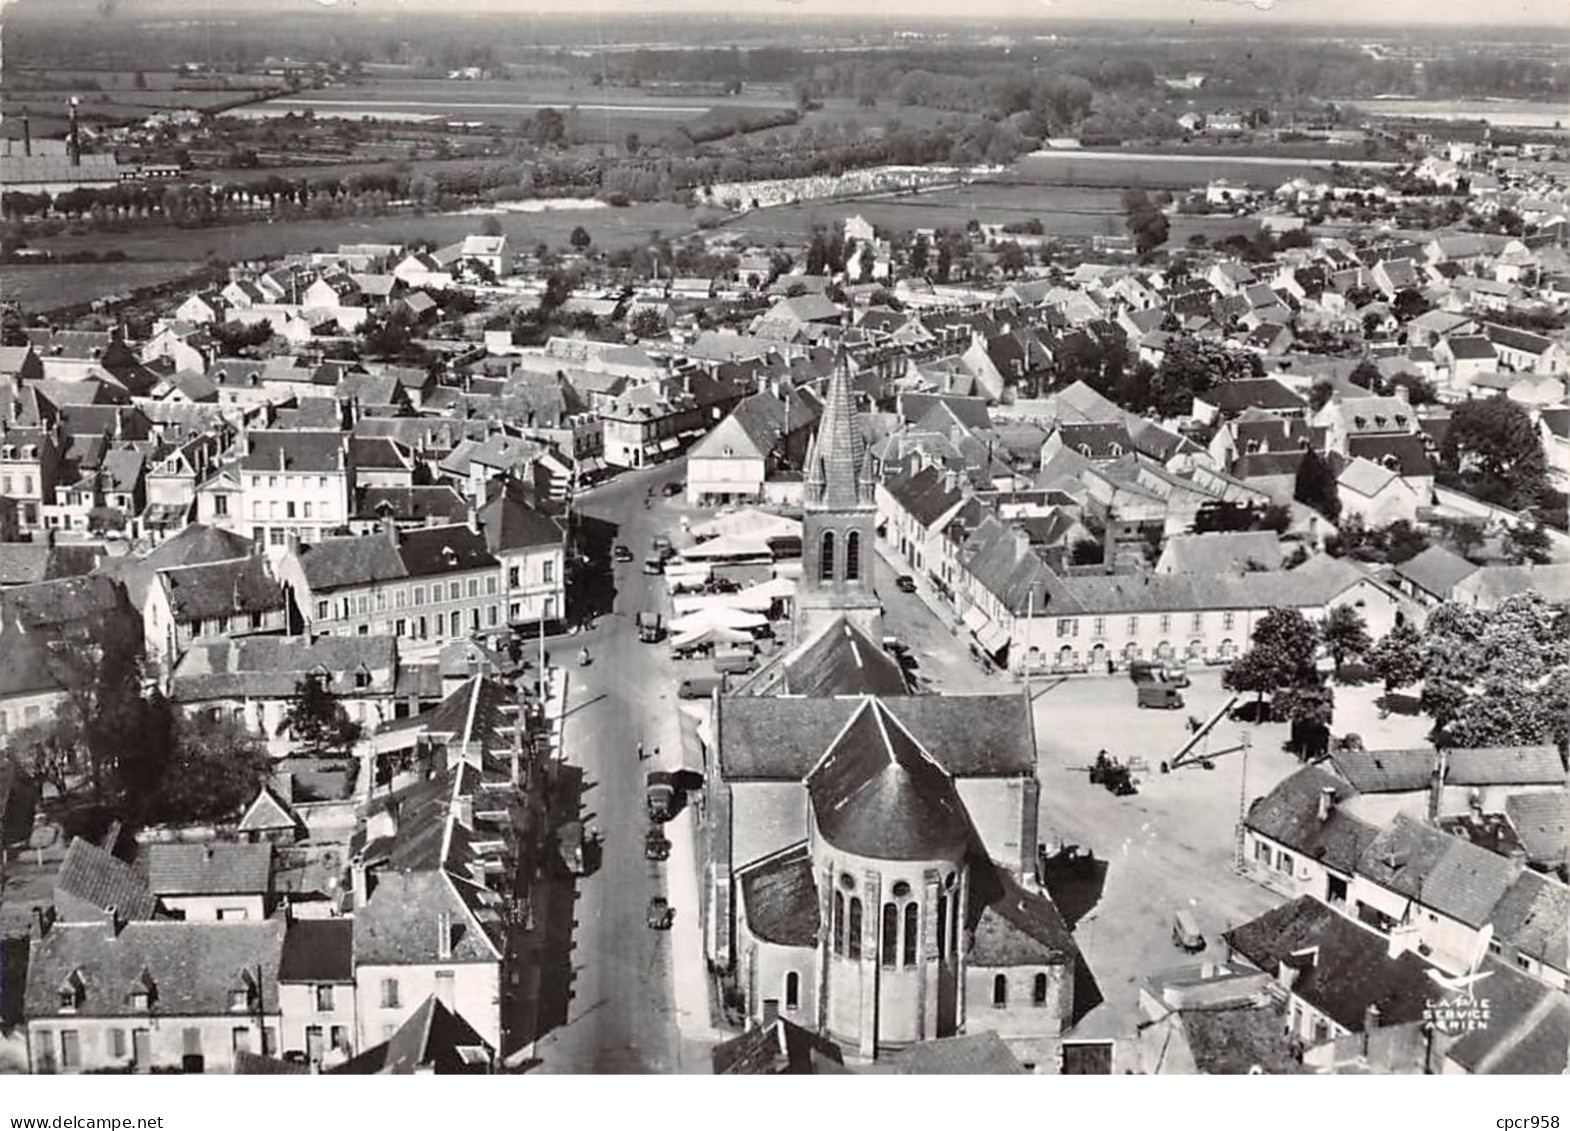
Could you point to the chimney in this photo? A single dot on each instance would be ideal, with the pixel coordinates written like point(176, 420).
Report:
point(113, 920)
point(1370, 1023)
point(40, 921)
point(359, 882)
point(474, 519)
point(27, 135)
point(390, 527)
point(443, 935)
point(1327, 803)
point(771, 1011)
point(1436, 786)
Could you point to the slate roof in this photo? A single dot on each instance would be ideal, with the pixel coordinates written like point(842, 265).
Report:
point(1238, 1041)
point(1253, 392)
point(413, 504)
point(1365, 477)
point(213, 868)
point(318, 950)
point(780, 897)
point(1442, 872)
point(26, 665)
point(312, 452)
point(1534, 917)
point(877, 793)
point(781, 739)
point(193, 966)
point(271, 666)
point(1310, 585)
point(781, 1049)
point(973, 1054)
point(1542, 824)
point(65, 603)
point(1408, 453)
point(510, 524)
point(425, 551)
point(91, 880)
point(1289, 815)
point(335, 563)
point(925, 495)
point(1348, 970)
point(842, 660)
point(1385, 771)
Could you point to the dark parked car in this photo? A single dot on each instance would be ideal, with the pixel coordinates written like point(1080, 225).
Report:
point(621, 553)
point(905, 583)
point(675, 488)
point(700, 686)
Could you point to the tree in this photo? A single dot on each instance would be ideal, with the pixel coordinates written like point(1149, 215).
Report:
point(215, 768)
point(1309, 706)
point(1345, 634)
point(1319, 395)
point(1315, 486)
point(491, 226)
point(1525, 544)
point(580, 239)
point(549, 128)
point(918, 256)
point(1011, 258)
point(1281, 654)
point(317, 722)
point(558, 289)
point(1367, 376)
point(1398, 658)
point(1492, 450)
point(1419, 390)
point(1145, 222)
point(647, 323)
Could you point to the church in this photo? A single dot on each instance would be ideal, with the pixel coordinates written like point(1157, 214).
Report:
point(871, 874)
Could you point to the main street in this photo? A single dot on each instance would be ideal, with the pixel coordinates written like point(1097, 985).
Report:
point(611, 1007)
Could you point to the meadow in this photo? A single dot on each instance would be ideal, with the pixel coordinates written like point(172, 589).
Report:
point(1175, 170)
point(610, 228)
point(39, 287)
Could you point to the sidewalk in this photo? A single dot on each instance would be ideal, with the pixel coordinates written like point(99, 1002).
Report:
point(929, 597)
point(523, 1009)
point(689, 968)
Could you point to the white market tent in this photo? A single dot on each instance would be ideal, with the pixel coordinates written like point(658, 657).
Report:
point(754, 599)
point(717, 617)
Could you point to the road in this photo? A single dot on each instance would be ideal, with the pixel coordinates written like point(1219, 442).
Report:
point(608, 1003)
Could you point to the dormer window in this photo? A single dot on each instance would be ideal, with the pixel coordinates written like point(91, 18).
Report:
point(1379, 422)
point(144, 992)
point(1360, 421)
point(1400, 421)
point(362, 677)
point(242, 995)
point(72, 990)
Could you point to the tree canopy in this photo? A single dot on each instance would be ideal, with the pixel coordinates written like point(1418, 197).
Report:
point(1492, 450)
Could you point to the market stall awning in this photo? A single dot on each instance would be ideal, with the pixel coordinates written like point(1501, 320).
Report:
point(994, 638)
point(669, 444)
point(717, 617)
point(728, 546)
point(975, 620)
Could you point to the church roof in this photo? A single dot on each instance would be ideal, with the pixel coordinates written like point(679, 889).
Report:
point(780, 898)
point(841, 659)
point(837, 458)
point(1014, 926)
point(877, 793)
point(783, 738)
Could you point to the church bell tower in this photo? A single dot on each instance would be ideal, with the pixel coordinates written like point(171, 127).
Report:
point(839, 520)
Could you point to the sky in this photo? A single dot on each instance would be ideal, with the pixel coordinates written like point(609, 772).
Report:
point(1386, 13)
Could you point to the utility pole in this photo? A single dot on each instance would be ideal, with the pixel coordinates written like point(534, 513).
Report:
point(1242, 804)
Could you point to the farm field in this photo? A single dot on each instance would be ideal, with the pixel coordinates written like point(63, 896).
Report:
point(610, 228)
point(1117, 169)
point(48, 286)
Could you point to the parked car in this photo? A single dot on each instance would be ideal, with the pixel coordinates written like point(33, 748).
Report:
point(700, 686)
point(905, 583)
point(1157, 671)
point(621, 553)
point(653, 565)
point(1186, 935)
point(736, 661)
point(660, 795)
point(673, 488)
point(660, 913)
point(1161, 696)
point(655, 846)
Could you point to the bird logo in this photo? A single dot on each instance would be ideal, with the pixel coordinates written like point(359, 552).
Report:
point(1462, 984)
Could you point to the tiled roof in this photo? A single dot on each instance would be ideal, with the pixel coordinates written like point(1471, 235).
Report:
point(26, 665)
point(209, 869)
point(877, 793)
point(781, 739)
point(336, 563)
point(436, 550)
point(62, 604)
point(1365, 477)
point(1221, 552)
point(318, 950)
point(1470, 348)
point(1239, 1041)
point(1436, 570)
point(1442, 872)
point(1505, 765)
point(1385, 771)
point(398, 924)
point(780, 1049)
point(780, 897)
point(221, 589)
point(1528, 1030)
point(1407, 453)
point(1311, 585)
point(510, 524)
point(1343, 967)
point(1534, 917)
point(91, 880)
point(1289, 815)
point(1542, 824)
point(1012, 926)
point(1253, 392)
point(271, 666)
point(973, 1054)
point(192, 965)
point(434, 1039)
point(312, 452)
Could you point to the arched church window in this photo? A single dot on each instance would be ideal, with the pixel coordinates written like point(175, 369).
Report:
point(792, 990)
point(910, 933)
point(853, 943)
point(1038, 991)
point(1000, 991)
point(826, 557)
point(852, 556)
point(943, 927)
point(839, 923)
point(890, 944)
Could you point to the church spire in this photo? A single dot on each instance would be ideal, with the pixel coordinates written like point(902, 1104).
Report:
point(836, 463)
